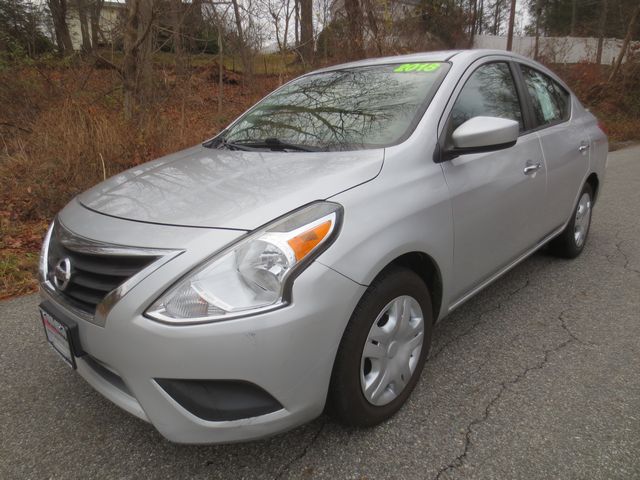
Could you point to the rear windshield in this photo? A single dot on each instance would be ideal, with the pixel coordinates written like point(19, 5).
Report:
point(356, 108)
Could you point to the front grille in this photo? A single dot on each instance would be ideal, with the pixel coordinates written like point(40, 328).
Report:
point(93, 275)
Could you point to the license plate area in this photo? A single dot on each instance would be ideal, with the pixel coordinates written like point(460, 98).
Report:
point(59, 336)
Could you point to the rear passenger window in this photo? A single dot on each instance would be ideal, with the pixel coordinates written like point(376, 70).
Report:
point(550, 100)
point(489, 92)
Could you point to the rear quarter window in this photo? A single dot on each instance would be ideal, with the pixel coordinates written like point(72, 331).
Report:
point(551, 102)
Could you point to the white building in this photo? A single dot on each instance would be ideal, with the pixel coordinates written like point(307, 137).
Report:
point(111, 21)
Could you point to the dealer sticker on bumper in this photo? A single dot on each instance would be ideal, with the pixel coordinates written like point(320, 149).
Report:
point(58, 337)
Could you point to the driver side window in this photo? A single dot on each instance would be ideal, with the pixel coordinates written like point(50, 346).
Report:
point(489, 92)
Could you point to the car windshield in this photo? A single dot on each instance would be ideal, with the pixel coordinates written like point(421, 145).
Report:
point(354, 108)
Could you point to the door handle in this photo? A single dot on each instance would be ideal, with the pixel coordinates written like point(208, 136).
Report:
point(583, 148)
point(531, 167)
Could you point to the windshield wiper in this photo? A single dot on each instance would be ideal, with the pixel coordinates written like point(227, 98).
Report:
point(223, 143)
point(268, 143)
point(277, 143)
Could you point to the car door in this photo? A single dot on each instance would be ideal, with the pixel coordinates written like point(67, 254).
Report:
point(565, 143)
point(497, 202)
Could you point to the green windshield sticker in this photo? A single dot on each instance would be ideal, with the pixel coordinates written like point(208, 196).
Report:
point(417, 67)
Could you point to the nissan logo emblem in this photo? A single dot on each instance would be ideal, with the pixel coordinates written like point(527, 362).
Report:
point(62, 274)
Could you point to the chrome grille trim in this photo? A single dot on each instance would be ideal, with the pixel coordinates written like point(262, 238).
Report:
point(85, 246)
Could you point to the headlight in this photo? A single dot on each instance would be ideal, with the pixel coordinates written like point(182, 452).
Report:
point(254, 274)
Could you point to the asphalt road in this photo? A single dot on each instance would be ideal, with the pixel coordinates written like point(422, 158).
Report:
point(536, 377)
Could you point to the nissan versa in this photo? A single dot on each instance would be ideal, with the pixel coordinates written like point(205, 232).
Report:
point(299, 260)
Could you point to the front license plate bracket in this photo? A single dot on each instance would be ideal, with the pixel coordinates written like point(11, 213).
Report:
point(62, 334)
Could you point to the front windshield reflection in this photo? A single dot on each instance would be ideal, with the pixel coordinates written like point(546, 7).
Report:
point(348, 109)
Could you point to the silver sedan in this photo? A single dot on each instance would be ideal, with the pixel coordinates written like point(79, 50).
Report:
point(298, 261)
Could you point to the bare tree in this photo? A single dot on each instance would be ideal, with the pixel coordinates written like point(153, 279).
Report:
point(512, 17)
point(497, 16)
point(354, 26)
point(306, 31)
point(136, 65)
point(538, 14)
point(625, 43)
point(601, 26)
point(296, 8)
point(95, 11)
point(474, 21)
point(177, 20)
point(372, 20)
point(82, 7)
point(242, 41)
point(58, 10)
point(279, 13)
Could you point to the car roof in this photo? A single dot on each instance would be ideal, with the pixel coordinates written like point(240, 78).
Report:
point(436, 56)
point(463, 56)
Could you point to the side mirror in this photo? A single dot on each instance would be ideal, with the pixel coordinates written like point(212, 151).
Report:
point(483, 134)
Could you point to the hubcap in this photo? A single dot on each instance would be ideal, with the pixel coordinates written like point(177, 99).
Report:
point(392, 350)
point(583, 218)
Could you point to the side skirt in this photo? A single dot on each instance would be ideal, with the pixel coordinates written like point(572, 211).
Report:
point(504, 270)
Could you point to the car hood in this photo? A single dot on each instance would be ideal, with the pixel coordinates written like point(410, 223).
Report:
point(203, 187)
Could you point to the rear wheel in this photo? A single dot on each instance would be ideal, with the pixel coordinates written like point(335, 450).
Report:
point(571, 242)
point(383, 350)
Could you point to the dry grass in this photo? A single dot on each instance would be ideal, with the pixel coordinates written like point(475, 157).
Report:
point(62, 131)
point(616, 104)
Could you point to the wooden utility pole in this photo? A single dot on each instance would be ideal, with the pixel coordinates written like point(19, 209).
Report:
point(512, 18)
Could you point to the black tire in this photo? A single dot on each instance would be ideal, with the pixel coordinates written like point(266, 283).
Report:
point(346, 401)
point(565, 245)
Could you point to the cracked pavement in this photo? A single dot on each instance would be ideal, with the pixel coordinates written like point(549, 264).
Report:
point(536, 377)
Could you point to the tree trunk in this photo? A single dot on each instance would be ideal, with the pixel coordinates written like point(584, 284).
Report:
point(136, 65)
point(81, 6)
point(536, 52)
point(220, 68)
point(496, 17)
point(373, 25)
point(602, 22)
point(479, 29)
point(625, 43)
point(574, 12)
point(354, 22)
point(474, 20)
point(512, 18)
point(244, 53)
point(145, 52)
point(177, 18)
point(306, 31)
point(94, 15)
point(58, 10)
point(296, 21)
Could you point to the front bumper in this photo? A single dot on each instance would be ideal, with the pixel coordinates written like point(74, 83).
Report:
point(288, 353)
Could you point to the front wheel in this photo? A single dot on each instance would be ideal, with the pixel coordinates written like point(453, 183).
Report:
point(570, 243)
point(383, 350)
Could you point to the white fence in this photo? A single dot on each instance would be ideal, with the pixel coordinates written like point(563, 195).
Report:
point(557, 49)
